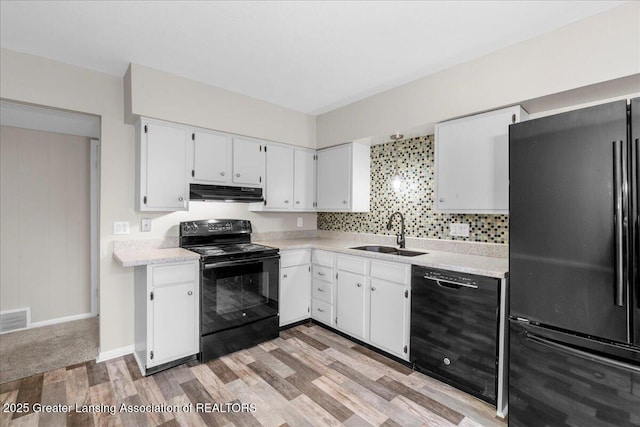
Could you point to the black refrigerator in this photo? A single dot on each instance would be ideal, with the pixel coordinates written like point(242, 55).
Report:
point(574, 293)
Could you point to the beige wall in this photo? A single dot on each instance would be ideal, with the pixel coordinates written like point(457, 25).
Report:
point(35, 80)
point(598, 49)
point(153, 93)
point(44, 210)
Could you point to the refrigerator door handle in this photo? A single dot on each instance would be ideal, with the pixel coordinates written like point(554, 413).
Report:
point(618, 176)
point(582, 354)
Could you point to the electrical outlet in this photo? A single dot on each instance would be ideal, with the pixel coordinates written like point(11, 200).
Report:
point(459, 229)
point(299, 221)
point(145, 224)
point(120, 227)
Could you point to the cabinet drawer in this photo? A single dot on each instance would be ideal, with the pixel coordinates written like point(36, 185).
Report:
point(353, 264)
point(391, 271)
point(322, 258)
point(173, 273)
point(322, 311)
point(322, 273)
point(322, 291)
point(291, 258)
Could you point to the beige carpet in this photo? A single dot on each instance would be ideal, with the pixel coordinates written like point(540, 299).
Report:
point(37, 350)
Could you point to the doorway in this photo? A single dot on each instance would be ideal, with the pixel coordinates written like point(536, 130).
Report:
point(49, 254)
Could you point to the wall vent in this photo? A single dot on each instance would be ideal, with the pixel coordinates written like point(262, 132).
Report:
point(14, 320)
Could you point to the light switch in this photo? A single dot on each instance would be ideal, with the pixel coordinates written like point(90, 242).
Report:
point(120, 227)
point(145, 224)
point(299, 221)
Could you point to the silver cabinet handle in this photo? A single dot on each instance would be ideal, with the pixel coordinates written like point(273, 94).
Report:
point(180, 199)
point(284, 275)
point(441, 199)
point(373, 289)
point(321, 274)
point(321, 290)
point(619, 176)
point(286, 201)
point(320, 310)
point(359, 285)
point(297, 202)
point(344, 202)
point(190, 293)
point(221, 173)
point(238, 175)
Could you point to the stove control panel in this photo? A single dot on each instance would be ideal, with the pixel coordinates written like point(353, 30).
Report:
point(206, 227)
point(219, 226)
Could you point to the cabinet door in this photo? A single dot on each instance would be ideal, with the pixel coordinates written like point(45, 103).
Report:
point(163, 165)
point(389, 317)
point(248, 162)
point(304, 181)
point(211, 155)
point(350, 304)
point(472, 163)
point(279, 177)
point(174, 313)
point(295, 294)
point(334, 178)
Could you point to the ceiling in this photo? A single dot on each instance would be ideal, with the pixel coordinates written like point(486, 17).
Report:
point(310, 56)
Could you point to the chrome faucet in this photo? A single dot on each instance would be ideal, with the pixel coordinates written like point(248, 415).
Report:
point(399, 237)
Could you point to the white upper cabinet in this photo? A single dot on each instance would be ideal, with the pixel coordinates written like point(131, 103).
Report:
point(248, 162)
point(304, 181)
point(472, 162)
point(211, 158)
point(161, 166)
point(343, 178)
point(290, 179)
point(279, 177)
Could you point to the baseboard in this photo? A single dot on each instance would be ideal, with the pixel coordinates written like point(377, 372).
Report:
point(61, 320)
point(116, 352)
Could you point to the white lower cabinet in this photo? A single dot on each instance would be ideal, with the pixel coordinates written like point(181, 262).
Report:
point(295, 290)
point(389, 329)
point(372, 302)
point(364, 298)
point(323, 287)
point(166, 313)
point(351, 303)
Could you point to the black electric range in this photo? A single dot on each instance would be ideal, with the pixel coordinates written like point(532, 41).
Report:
point(239, 285)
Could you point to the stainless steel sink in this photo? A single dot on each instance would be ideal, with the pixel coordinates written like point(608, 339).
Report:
point(389, 250)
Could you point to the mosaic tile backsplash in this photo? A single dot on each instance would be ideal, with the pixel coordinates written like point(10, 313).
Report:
point(412, 159)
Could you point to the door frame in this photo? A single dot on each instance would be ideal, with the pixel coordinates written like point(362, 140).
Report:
point(94, 223)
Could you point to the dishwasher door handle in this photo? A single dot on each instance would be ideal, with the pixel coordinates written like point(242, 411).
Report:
point(449, 284)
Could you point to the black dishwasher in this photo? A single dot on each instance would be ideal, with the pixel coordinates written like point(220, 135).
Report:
point(454, 329)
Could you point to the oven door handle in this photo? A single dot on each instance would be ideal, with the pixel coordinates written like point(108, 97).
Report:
point(238, 262)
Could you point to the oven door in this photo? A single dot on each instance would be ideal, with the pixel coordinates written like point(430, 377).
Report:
point(238, 292)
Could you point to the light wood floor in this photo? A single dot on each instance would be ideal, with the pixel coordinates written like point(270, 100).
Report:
point(307, 377)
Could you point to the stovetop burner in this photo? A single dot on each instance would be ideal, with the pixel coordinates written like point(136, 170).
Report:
point(217, 250)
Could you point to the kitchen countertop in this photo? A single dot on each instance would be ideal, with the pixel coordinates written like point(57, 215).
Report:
point(464, 263)
point(133, 253)
point(145, 256)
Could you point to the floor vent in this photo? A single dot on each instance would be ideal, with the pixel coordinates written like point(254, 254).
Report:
point(14, 320)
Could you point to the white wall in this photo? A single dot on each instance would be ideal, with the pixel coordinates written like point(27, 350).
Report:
point(598, 49)
point(44, 223)
point(39, 81)
point(160, 95)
